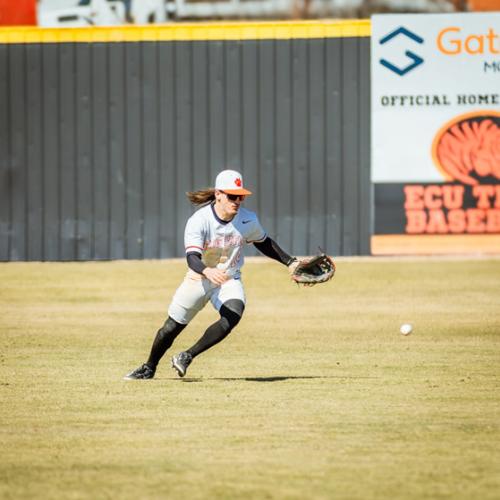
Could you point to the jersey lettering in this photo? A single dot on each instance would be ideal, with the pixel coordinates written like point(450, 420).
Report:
point(221, 243)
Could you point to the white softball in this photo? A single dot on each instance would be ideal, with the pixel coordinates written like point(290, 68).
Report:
point(406, 328)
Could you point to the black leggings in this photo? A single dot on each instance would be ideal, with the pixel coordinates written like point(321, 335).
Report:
point(230, 315)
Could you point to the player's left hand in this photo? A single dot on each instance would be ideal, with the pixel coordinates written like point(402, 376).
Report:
point(313, 270)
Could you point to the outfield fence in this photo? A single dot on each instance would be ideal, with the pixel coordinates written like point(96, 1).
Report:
point(103, 130)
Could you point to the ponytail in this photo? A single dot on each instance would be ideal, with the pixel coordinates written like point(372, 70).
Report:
point(201, 197)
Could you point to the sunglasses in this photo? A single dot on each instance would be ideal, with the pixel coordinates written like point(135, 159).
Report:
point(234, 197)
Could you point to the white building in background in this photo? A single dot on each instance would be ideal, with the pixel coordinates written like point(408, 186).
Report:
point(75, 13)
point(182, 9)
point(113, 12)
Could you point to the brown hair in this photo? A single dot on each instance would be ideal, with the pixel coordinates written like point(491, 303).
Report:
point(201, 197)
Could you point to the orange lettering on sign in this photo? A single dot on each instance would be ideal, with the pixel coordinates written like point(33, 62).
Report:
point(456, 221)
point(453, 196)
point(475, 220)
point(455, 44)
point(492, 36)
point(474, 44)
point(483, 193)
point(438, 209)
point(414, 197)
point(493, 221)
point(416, 221)
point(437, 222)
point(432, 197)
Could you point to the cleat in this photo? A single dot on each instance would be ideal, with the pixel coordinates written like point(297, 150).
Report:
point(143, 372)
point(181, 362)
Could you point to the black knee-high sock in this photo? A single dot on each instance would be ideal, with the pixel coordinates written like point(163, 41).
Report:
point(163, 340)
point(230, 312)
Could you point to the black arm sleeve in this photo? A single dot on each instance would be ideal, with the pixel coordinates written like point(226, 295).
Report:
point(194, 262)
point(272, 250)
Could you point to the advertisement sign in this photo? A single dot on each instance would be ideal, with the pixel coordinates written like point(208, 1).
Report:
point(436, 123)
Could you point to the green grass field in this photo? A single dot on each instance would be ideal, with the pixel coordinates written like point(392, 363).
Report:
point(316, 394)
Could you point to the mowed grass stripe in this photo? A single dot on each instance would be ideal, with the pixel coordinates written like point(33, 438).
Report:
point(314, 395)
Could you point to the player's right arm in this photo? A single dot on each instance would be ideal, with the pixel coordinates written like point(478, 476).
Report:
point(214, 275)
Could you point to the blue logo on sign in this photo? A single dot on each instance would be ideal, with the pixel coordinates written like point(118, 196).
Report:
point(416, 60)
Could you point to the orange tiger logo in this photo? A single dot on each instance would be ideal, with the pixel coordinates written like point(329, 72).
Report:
point(467, 148)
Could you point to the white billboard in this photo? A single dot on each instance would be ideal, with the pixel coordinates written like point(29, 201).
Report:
point(436, 123)
point(427, 70)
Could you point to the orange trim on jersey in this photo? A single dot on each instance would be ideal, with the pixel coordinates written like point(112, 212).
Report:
point(194, 246)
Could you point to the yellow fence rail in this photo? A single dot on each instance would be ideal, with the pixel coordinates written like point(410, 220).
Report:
point(190, 31)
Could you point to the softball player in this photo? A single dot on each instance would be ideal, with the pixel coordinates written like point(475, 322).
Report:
point(214, 239)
